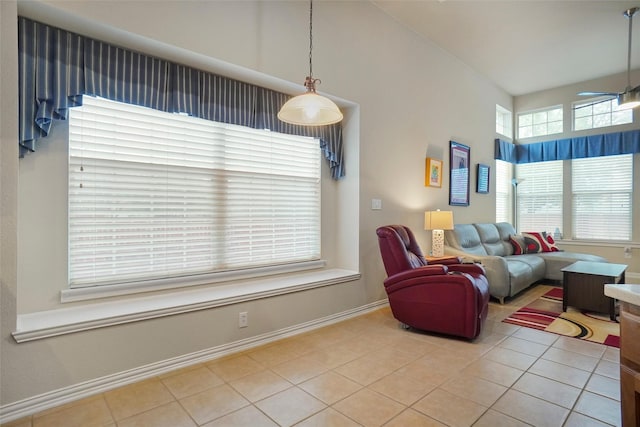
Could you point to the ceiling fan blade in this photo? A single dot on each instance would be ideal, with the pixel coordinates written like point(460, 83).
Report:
point(598, 93)
point(589, 104)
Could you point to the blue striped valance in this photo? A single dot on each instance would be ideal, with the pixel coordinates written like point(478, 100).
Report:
point(56, 68)
point(608, 144)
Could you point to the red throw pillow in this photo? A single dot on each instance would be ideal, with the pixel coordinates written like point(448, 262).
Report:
point(517, 241)
point(552, 244)
point(535, 242)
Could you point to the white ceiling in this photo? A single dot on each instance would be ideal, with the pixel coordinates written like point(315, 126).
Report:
point(527, 45)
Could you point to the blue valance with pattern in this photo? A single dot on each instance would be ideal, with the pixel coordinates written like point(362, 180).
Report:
point(57, 67)
point(608, 144)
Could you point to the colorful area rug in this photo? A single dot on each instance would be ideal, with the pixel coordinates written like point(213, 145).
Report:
point(546, 314)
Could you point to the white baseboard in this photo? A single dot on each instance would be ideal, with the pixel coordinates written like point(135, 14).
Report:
point(32, 405)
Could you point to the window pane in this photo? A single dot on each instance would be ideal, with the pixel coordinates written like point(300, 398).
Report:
point(540, 117)
point(555, 115)
point(525, 120)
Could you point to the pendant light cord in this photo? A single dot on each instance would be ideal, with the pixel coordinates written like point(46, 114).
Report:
point(310, 82)
point(310, 39)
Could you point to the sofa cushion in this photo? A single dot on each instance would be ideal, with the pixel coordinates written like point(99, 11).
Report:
point(490, 238)
point(556, 261)
point(465, 237)
point(505, 229)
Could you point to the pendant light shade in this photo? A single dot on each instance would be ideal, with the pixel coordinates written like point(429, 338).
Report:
point(310, 109)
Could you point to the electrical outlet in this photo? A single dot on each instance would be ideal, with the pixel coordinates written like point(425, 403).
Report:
point(243, 319)
point(376, 204)
point(627, 251)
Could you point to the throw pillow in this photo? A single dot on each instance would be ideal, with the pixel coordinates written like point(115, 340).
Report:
point(517, 241)
point(552, 244)
point(535, 242)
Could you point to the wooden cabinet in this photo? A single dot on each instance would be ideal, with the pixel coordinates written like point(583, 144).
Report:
point(630, 364)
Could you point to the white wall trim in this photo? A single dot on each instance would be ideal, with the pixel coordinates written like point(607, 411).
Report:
point(31, 405)
point(45, 324)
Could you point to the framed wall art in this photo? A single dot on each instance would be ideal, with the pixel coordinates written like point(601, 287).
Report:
point(432, 173)
point(482, 179)
point(459, 155)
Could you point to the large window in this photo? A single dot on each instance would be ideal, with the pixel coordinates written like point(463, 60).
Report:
point(602, 190)
point(540, 122)
point(503, 121)
point(155, 195)
point(597, 113)
point(539, 197)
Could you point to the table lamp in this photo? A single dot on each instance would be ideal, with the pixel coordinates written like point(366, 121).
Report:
point(438, 221)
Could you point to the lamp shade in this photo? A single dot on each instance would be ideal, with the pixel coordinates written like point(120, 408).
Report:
point(629, 99)
point(438, 220)
point(310, 109)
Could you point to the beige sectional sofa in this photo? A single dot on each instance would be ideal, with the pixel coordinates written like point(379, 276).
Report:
point(507, 273)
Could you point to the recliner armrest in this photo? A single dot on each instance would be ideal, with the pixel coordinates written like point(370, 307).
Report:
point(428, 270)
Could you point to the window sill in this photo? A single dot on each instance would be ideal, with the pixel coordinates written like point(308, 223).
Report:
point(44, 324)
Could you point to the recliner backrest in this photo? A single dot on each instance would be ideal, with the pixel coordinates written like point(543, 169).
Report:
point(399, 249)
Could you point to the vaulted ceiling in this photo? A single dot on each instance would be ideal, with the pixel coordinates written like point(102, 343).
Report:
point(525, 46)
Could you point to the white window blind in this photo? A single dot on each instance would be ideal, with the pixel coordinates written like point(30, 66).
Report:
point(539, 198)
point(602, 189)
point(155, 195)
point(504, 201)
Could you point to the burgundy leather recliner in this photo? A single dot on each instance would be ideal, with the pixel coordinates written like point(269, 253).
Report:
point(448, 297)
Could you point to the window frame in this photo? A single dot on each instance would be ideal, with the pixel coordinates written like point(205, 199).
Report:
point(581, 105)
point(111, 288)
point(504, 121)
point(532, 113)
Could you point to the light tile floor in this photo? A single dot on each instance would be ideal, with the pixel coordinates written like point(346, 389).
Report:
point(368, 371)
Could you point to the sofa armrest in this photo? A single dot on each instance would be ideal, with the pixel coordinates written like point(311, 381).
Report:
point(495, 268)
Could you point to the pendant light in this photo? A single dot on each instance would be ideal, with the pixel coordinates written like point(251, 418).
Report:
point(310, 109)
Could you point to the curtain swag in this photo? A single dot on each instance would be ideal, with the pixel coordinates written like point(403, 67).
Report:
point(56, 68)
point(608, 144)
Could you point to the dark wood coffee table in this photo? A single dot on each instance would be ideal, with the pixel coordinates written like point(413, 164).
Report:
point(583, 286)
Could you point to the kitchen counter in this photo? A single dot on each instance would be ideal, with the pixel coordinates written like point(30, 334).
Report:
point(627, 293)
point(629, 297)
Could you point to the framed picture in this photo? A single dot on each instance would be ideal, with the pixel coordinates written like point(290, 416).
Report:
point(482, 179)
point(458, 174)
point(432, 173)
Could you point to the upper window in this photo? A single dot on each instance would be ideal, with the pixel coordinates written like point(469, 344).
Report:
point(602, 192)
point(540, 122)
point(598, 113)
point(155, 195)
point(503, 121)
point(539, 196)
